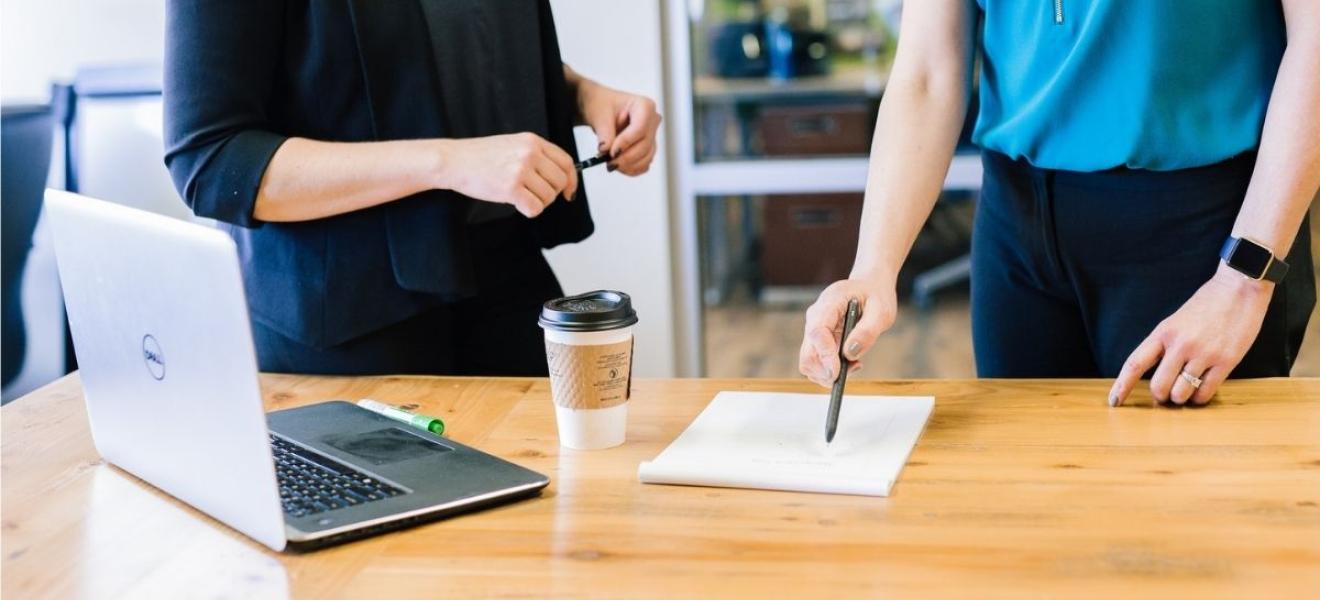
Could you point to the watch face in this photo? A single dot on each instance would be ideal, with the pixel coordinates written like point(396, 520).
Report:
point(1250, 258)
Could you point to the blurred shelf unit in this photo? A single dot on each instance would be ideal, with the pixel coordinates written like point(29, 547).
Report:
point(772, 114)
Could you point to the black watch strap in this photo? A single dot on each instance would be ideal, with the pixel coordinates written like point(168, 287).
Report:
point(1275, 272)
point(1253, 260)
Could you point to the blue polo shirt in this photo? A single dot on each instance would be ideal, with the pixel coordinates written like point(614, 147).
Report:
point(1086, 85)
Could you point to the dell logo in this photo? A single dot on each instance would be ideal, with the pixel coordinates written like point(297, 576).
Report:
point(153, 357)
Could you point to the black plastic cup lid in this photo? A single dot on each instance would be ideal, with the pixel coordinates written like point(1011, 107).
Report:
point(601, 310)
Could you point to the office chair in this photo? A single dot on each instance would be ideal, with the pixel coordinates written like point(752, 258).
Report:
point(27, 133)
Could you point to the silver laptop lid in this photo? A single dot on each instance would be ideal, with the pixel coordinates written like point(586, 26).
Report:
point(164, 346)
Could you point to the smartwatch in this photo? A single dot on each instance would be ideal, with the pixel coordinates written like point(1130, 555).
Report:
point(1252, 259)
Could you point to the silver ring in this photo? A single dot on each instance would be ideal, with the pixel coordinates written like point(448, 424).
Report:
point(1191, 380)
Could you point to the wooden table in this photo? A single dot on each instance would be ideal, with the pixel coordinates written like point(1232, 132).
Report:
point(1017, 488)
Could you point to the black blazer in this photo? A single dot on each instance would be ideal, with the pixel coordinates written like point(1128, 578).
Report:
point(241, 76)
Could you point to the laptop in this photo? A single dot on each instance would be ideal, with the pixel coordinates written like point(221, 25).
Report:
point(160, 327)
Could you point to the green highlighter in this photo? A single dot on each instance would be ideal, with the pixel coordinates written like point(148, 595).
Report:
point(423, 422)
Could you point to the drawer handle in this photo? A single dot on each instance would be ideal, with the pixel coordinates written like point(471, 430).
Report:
point(823, 125)
point(815, 217)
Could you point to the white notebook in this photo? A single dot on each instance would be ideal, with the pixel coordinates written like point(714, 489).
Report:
point(776, 441)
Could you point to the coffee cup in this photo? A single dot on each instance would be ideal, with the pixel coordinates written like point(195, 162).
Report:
point(588, 347)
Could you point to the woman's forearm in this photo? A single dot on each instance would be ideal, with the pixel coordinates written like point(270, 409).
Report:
point(916, 133)
point(920, 118)
point(1287, 171)
point(308, 179)
point(576, 85)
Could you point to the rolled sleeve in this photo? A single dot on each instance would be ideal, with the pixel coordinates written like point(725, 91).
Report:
point(221, 59)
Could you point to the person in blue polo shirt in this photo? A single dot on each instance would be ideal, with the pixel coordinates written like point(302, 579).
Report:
point(1148, 170)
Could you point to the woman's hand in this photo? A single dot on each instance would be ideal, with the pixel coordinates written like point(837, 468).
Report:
point(626, 125)
point(1206, 338)
point(819, 356)
point(522, 169)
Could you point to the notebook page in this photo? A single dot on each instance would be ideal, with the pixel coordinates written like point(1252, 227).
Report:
point(777, 441)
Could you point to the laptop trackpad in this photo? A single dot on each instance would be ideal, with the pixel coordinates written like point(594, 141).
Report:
point(383, 446)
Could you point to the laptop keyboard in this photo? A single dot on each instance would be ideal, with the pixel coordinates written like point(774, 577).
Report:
point(311, 483)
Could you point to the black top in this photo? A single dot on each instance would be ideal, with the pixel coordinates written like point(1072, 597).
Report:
point(471, 41)
point(241, 76)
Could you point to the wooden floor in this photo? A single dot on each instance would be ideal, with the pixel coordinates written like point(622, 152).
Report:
point(745, 340)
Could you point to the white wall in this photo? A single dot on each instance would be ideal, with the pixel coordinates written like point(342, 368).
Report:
point(618, 44)
point(42, 40)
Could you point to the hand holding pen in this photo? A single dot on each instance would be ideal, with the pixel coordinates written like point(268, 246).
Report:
point(627, 125)
point(822, 337)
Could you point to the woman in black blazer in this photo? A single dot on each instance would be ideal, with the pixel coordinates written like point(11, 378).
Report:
point(391, 172)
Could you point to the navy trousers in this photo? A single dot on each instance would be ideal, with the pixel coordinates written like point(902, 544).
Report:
point(493, 334)
point(1071, 271)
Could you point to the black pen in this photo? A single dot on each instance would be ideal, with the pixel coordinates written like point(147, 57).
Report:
point(593, 161)
point(836, 394)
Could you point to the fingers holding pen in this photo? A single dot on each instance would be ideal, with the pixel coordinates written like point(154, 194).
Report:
point(633, 149)
point(819, 356)
point(824, 347)
point(809, 365)
point(553, 175)
point(520, 169)
point(875, 319)
point(544, 191)
point(558, 166)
